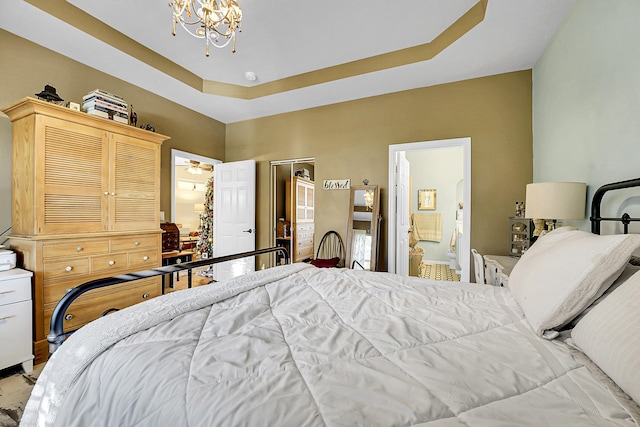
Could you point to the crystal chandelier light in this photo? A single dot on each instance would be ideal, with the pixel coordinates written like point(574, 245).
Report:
point(216, 21)
point(368, 196)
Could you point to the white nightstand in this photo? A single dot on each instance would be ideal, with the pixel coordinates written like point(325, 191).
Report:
point(15, 319)
point(498, 268)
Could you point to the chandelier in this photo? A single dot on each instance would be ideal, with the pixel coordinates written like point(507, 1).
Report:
point(368, 196)
point(216, 21)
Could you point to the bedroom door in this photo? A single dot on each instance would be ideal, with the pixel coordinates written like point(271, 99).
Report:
point(234, 216)
point(402, 215)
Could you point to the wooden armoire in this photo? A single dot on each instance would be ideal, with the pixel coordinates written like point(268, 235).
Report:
point(300, 212)
point(85, 205)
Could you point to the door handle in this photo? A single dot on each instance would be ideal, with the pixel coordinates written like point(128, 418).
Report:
point(251, 230)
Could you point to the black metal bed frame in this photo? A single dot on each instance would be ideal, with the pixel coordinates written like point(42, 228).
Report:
point(57, 335)
point(596, 219)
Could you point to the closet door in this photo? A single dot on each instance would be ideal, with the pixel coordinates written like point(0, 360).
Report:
point(72, 161)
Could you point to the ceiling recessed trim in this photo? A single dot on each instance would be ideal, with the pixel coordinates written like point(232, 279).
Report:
point(83, 21)
point(86, 23)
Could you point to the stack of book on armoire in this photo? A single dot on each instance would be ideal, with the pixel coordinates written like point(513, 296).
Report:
point(104, 104)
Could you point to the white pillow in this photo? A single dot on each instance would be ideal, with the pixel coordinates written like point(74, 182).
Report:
point(628, 271)
point(565, 271)
point(608, 334)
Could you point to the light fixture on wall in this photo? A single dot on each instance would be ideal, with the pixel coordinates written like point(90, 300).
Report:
point(368, 196)
point(216, 21)
point(555, 200)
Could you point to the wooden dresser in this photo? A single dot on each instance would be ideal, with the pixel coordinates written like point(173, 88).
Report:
point(300, 212)
point(85, 205)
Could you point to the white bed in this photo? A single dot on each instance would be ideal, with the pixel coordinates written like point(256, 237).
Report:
point(298, 345)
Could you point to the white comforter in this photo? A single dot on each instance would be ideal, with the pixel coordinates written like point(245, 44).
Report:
point(301, 346)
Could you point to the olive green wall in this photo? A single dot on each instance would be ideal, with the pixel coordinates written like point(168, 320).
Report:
point(26, 67)
point(351, 140)
point(348, 140)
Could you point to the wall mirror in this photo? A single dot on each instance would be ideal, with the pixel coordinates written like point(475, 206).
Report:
point(363, 228)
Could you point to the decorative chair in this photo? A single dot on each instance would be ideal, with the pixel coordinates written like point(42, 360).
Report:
point(478, 264)
point(330, 251)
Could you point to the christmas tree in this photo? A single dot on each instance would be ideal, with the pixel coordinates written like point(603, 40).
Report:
point(204, 247)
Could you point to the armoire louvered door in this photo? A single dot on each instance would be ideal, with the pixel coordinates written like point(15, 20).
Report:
point(133, 201)
point(74, 160)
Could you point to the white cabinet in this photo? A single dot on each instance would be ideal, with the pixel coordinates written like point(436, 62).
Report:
point(300, 211)
point(15, 319)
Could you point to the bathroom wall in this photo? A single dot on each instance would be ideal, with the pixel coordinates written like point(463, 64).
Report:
point(440, 169)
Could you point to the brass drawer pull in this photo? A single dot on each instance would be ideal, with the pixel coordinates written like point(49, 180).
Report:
point(68, 317)
point(112, 262)
point(68, 268)
point(7, 317)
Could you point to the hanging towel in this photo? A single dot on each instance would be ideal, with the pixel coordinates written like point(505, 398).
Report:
point(454, 241)
point(427, 226)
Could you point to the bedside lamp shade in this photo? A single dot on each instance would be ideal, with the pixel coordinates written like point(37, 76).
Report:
point(556, 200)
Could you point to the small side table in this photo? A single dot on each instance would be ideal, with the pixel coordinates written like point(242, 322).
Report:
point(172, 258)
point(498, 268)
point(15, 319)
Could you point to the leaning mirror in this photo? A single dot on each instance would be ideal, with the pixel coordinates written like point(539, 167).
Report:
point(363, 227)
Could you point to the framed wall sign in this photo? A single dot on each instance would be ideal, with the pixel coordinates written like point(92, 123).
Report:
point(336, 184)
point(427, 200)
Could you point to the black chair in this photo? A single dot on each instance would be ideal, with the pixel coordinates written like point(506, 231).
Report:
point(330, 252)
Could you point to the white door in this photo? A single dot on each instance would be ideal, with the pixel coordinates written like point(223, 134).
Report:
point(234, 216)
point(402, 215)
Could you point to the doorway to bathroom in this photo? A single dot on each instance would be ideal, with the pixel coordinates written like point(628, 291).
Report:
point(438, 196)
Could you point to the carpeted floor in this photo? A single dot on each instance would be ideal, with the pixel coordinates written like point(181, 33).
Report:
point(438, 272)
point(15, 388)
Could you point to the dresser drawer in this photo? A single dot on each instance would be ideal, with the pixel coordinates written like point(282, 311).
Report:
point(130, 243)
point(303, 252)
point(52, 293)
point(143, 260)
point(15, 290)
point(75, 248)
point(15, 333)
point(90, 306)
point(111, 262)
point(304, 228)
point(307, 239)
point(67, 268)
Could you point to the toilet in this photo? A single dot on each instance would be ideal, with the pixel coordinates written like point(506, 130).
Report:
point(451, 255)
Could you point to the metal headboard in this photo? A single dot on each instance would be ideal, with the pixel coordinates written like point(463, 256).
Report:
point(596, 219)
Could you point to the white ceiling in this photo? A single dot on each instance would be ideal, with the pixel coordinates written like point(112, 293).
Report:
point(289, 37)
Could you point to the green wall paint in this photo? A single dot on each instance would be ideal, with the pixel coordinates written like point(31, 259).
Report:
point(586, 96)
